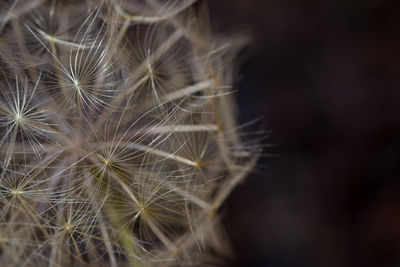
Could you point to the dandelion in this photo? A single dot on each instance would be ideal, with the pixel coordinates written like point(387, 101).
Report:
point(118, 139)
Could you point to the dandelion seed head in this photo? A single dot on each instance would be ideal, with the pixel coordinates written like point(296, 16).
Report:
point(118, 138)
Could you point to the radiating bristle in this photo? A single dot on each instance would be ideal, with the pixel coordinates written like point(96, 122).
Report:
point(118, 138)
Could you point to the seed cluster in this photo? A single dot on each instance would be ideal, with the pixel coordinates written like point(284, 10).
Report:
point(118, 140)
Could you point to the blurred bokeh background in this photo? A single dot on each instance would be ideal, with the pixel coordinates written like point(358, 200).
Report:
point(324, 75)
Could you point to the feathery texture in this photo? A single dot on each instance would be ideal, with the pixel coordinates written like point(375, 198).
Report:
point(118, 140)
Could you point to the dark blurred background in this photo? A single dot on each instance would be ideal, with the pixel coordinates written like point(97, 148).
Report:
point(324, 75)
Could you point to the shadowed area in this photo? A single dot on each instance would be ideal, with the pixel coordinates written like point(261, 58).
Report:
point(324, 76)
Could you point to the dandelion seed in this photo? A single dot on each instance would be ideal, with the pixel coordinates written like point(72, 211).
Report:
point(18, 118)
